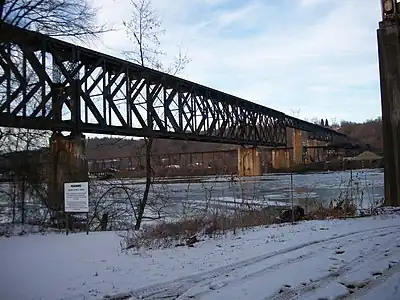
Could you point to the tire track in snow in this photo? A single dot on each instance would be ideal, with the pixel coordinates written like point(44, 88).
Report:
point(172, 289)
point(386, 275)
point(210, 285)
point(351, 266)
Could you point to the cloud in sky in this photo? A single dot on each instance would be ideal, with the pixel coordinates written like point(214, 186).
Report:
point(316, 56)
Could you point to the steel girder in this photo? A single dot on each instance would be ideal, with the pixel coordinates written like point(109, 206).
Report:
point(53, 85)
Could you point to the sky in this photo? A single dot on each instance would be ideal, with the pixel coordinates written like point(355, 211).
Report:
point(306, 58)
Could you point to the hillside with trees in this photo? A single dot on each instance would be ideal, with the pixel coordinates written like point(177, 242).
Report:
point(369, 132)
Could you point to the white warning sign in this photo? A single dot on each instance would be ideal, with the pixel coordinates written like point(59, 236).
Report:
point(76, 197)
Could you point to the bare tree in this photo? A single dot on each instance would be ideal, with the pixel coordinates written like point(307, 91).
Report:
point(56, 18)
point(144, 29)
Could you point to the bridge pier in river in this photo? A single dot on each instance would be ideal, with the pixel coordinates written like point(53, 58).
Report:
point(315, 152)
point(297, 144)
point(312, 151)
point(285, 158)
point(249, 162)
point(281, 159)
point(389, 65)
point(68, 163)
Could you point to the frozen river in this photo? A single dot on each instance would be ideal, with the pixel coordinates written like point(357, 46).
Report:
point(174, 194)
point(366, 186)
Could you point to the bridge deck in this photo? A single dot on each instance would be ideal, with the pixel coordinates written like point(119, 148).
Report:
point(53, 85)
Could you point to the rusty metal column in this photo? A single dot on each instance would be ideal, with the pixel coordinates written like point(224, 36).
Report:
point(389, 66)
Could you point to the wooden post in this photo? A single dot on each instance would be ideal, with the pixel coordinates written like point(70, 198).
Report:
point(389, 66)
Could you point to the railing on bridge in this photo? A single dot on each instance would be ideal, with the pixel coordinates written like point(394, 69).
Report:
point(53, 85)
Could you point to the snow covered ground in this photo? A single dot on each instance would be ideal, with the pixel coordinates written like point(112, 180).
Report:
point(355, 259)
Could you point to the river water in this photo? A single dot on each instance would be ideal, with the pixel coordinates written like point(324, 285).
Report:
point(174, 195)
point(364, 186)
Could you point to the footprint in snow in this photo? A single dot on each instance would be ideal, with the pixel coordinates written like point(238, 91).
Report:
point(378, 273)
point(217, 285)
point(333, 258)
point(284, 288)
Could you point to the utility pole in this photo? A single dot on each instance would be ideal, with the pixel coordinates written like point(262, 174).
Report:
point(389, 67)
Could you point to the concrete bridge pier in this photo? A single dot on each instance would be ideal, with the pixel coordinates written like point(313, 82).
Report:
point(68, 163)
point(281, 159)
point(297, 144)
point(314, 153)
point(249, 162)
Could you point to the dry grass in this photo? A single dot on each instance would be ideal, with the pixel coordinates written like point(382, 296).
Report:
point(182, 232)
point(340, 211)
point(188, 231)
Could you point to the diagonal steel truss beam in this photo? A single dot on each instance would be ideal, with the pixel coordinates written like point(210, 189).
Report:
point(96, 93)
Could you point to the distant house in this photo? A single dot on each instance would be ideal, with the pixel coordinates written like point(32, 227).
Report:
point(367, 159)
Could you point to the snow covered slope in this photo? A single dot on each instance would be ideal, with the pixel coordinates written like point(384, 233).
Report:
point(358, 259)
